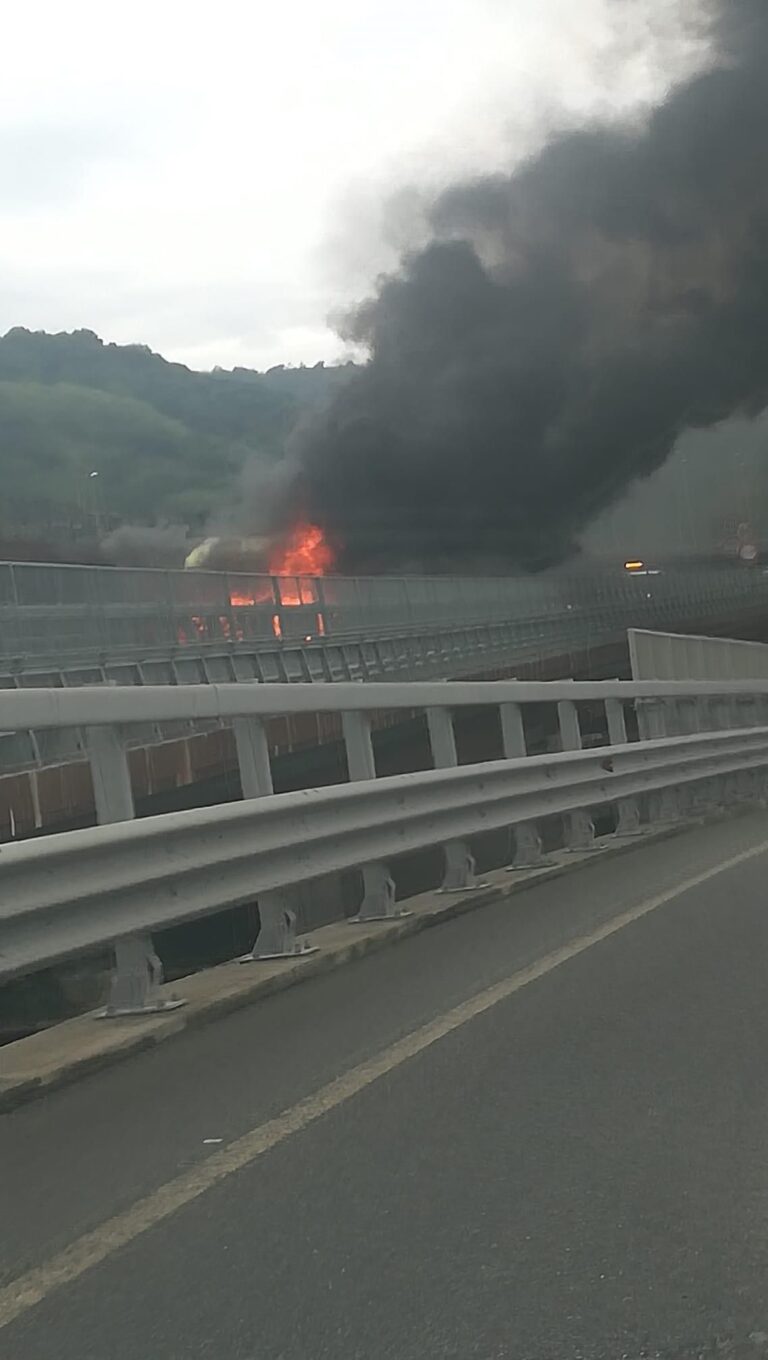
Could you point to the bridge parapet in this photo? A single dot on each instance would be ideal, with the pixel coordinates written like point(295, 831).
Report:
point(74, 615)
point(697, 746)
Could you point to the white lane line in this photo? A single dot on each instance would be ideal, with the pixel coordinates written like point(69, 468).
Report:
point(96, 1246)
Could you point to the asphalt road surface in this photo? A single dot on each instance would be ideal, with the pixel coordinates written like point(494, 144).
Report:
point(538, 1131)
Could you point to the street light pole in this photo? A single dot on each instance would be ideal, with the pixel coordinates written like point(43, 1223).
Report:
point(93, 479)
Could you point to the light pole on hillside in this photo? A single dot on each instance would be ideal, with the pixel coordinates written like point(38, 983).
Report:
point(93, 479)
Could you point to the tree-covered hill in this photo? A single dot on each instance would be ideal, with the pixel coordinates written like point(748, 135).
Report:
point(167, 443)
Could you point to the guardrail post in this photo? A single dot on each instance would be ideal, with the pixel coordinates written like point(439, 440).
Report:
point(628, 823)
point(253, 757)
point(378, 902)
point(459, 863)
point(277, 933)
point(580, 834)
point(528, 852)
point(135, 983)
point(134, 986)
point(111, 775)
point(277, 919)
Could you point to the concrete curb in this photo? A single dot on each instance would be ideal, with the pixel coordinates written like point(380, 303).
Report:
point(54, 1057)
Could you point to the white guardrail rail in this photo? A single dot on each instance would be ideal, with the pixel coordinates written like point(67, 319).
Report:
point(699, 745)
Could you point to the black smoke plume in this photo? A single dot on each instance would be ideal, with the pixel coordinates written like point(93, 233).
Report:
point(561, 328)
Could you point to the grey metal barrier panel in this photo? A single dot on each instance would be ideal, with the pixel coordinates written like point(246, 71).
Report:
point(84, 889)
point(40, 583)
point(385, 599)
point(674, 656)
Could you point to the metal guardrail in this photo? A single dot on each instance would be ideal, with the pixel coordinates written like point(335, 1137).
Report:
point(120, 881)
point(90, 706)
point(167, 711)
point(86, 888)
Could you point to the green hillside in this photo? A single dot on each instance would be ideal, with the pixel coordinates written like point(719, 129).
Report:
point(168, 443)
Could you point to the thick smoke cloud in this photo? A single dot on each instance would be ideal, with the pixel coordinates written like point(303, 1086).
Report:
point(144, 545)
point(561, 328)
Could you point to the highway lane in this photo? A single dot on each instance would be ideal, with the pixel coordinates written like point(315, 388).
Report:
point(579, 1170)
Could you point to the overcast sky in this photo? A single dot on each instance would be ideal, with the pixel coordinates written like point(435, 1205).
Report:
point(209, 179)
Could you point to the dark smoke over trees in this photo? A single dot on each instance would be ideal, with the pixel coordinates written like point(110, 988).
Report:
point(558, 332)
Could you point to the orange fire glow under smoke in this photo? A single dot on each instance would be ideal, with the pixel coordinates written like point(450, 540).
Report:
point(304, 553)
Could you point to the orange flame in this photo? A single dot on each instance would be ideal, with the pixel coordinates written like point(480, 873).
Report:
point(255, 593)
point(304, 553)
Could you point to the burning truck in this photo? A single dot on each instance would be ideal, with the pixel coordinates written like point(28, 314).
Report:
point(268, 572)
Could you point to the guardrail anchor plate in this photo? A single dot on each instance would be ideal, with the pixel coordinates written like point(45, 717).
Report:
point(398, 914)
point(125, 1012)
point(300, 949)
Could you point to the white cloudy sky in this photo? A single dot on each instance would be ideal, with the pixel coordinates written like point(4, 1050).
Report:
point(209, 178)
